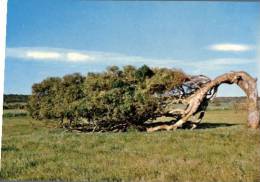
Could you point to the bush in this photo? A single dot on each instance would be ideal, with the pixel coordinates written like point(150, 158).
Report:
point(111, 100)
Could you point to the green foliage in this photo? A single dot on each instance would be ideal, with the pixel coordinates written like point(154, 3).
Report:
point(107, 99)
point(165, 79)
point(54, 98)
point(143, 72)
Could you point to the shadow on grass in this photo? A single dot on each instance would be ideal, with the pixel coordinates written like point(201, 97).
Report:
point(215, 125)
point(188, 125)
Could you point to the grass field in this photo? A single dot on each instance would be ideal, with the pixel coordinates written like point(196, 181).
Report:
point(14, 113)
point(222, 149)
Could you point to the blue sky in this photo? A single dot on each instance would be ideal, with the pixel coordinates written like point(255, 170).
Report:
point(57, 37)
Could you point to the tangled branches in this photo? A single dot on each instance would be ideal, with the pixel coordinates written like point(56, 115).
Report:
point(202, 90)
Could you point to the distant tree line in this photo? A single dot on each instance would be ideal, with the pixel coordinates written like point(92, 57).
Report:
point(15, 98)
point(15, 101)
point(113, 100)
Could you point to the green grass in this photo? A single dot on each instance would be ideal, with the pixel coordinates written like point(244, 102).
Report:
point(224, 149)
point(14, 112)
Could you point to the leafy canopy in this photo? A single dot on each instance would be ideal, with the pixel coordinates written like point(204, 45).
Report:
point(105, 100)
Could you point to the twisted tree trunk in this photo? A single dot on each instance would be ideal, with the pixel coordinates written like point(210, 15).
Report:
point(198, 101)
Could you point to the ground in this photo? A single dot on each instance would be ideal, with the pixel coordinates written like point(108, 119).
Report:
point(222, 149)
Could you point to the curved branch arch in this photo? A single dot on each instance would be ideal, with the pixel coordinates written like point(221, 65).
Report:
point(198, 101)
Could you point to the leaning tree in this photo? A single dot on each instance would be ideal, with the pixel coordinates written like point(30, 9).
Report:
point(116, 100)
point(200, 90)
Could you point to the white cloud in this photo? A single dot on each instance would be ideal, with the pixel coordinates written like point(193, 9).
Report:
point(228, 47)
point(48, 54)
point(42, 55)
point(212, 66)
point(230, 61)
point(108, 58)
point(79, 56)
point(75, 56)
